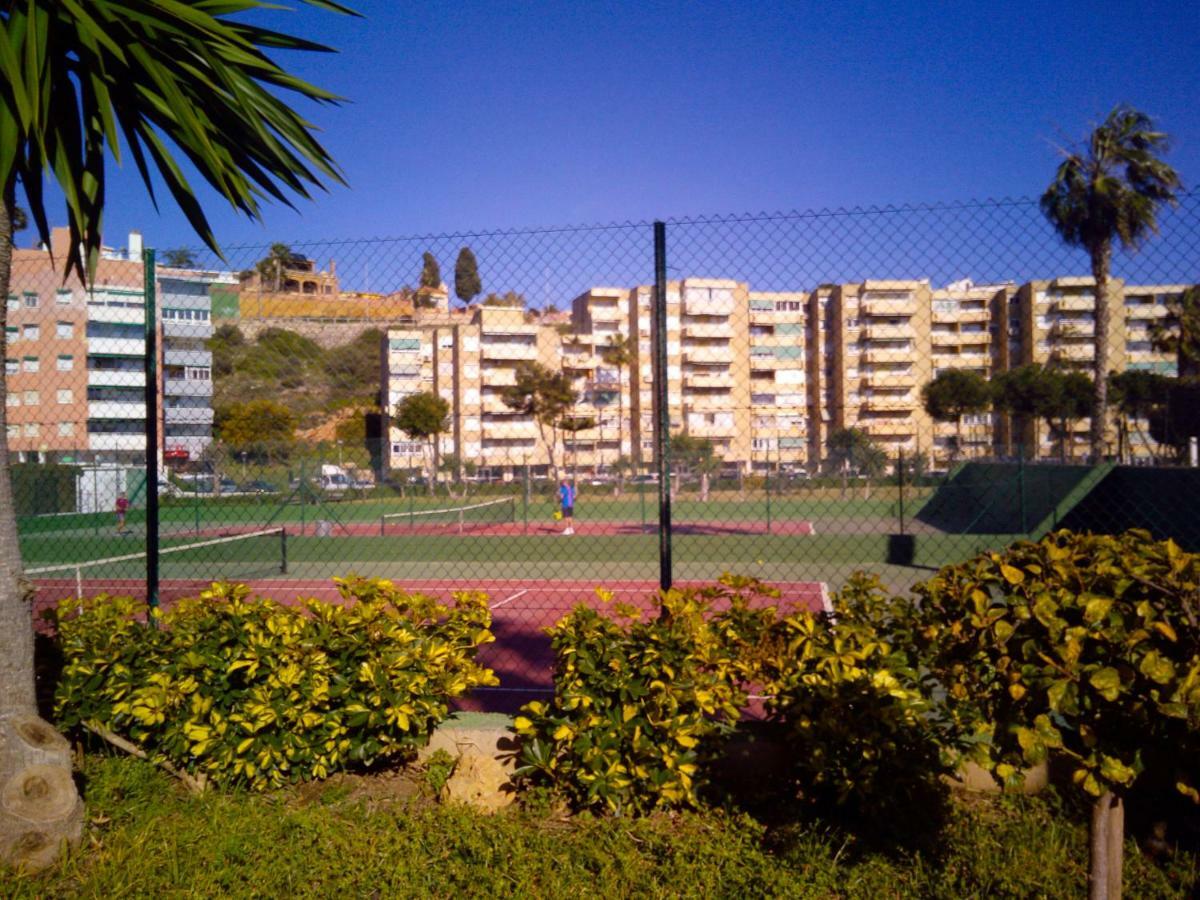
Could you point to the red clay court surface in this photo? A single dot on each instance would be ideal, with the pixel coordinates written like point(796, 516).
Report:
point(521, 654)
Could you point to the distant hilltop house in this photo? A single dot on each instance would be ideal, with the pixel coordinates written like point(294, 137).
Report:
point(293, 288)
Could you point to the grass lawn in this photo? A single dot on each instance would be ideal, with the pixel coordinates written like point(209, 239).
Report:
point(383, 837)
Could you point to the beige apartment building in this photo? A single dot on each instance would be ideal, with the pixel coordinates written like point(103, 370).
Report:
point(469, 360)
point(765, 376)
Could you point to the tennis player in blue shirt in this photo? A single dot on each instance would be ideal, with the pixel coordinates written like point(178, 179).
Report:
point(566, 498)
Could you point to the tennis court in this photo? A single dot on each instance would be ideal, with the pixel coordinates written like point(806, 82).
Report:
point(521, 655)
point(509, 548)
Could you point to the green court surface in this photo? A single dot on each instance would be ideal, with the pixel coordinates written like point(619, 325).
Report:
point(772, 557)
point(204, 514)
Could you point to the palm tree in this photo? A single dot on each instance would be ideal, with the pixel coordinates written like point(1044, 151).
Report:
point(618, 353)
point(81, 81)
point(1111, 191)
point(1182, 337)
point(272, 266)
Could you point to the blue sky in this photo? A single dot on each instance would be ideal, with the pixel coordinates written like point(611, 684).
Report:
point(466, 116)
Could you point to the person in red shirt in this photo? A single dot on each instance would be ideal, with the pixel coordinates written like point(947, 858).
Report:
point(122, 509)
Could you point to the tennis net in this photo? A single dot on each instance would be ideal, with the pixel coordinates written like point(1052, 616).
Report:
point(458, 518)
point(217, 559)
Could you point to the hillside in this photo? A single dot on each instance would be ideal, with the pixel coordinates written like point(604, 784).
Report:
point(316, 384)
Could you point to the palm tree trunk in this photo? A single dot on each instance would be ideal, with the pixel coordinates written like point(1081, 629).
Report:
point(1101, 264)
point(42, 809)
point(1106, 840)
point(16, 626)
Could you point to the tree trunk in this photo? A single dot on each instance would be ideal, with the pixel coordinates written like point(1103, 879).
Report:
point(1101, 262)
point(1106, 841)
point(39, 805)
point(1116, 847)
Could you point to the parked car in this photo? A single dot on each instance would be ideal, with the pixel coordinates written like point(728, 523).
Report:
point(258, 487)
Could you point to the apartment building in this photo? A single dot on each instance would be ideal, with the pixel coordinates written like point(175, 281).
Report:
point(469, 361)
point(766, 376)
point(778, 369)
point(881, 356)
point(75, 361)
point(962, 336)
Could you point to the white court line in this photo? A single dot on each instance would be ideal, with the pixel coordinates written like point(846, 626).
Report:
point(826, 603)
point(509, 599)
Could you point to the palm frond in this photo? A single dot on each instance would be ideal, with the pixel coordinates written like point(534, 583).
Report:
point(165, 77)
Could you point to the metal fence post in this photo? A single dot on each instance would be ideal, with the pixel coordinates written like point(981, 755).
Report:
point(1021, 487)
point(900, 475)
point(151, 395)
point(663, 435)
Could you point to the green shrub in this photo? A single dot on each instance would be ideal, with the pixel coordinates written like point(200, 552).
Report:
point(1084, 645)
point(249, 692)
point(864, 736)
point(639, 706)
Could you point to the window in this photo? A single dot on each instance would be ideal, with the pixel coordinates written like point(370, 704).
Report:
point(31, 300)
point(66, 429)
point(12, 366)
point(13, 399)
point(14, 431)
point(66, 363)
point(31, 429)
point(64, 330)
point(30, 364)
point(65, 396)
point(10, 332)
point(63, 297)
point(31, 398)
point(14, 303)
point(31, 332)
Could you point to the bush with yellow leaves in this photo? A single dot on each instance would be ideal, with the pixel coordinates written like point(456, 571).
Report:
point(640, 705)
point(249, 692)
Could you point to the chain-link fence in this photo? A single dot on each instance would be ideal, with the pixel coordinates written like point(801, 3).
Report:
point(886, 389)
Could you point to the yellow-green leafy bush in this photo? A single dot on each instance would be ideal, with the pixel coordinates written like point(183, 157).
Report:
point(246, 691)
point(862, 730)
point(1087, 646)
point(639, 705)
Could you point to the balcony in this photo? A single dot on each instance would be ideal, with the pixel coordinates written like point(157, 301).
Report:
point(710, 430)
point(1073, 352)
point(709, 330)
point(120, 315)
point(493, 404)
point(509, 429)
point(708, 402)
point(116, 409)
point(101, 441)
point(889, 402)
point(890, 379)
point(106, 346)
point(176, 387)
point(701, 304)
point(188, 415)
point(118, 378)
point(579, 361)
point(887, 332)
point(881, 355)
point(1075, 303)
point(174, 328)
point(714, 354)
point(716, 380)
point(175, 357)
point(605, 312)
point(763, 362)
point(889, 306)
point(506, 377)
point(889, 427)
point(508, 351)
